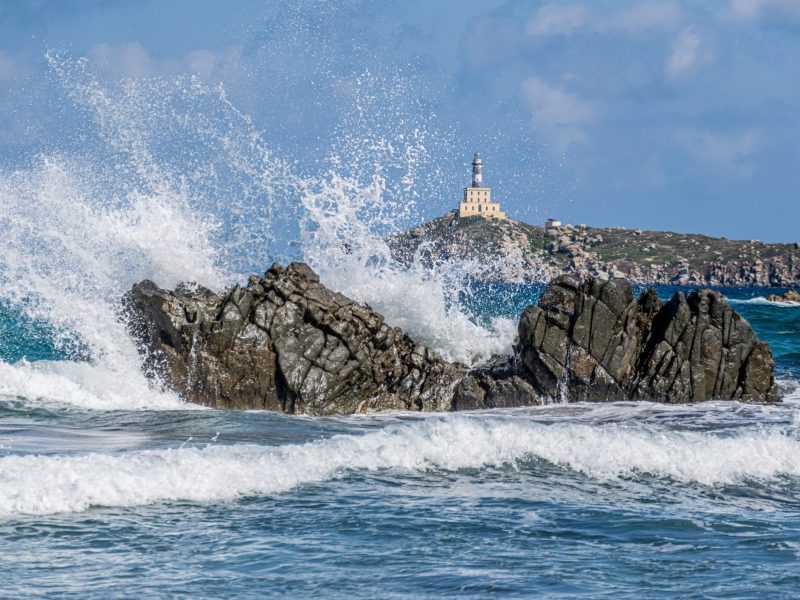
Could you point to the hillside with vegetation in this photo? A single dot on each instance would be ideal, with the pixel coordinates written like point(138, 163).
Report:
point(515, 251)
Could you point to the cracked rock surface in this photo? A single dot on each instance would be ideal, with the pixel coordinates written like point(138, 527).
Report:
point(285, 343)
point(593, 340)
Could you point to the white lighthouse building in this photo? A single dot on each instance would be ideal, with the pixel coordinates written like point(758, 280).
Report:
point(478, 199)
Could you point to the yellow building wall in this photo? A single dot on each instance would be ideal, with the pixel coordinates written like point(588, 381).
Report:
point(478, 201)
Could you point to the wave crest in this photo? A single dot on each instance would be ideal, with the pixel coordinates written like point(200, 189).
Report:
point(52, 484)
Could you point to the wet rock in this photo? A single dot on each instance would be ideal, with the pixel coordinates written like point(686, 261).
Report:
point(285, 343)
point(592, 340)
point(494, 385)
point(790, 296)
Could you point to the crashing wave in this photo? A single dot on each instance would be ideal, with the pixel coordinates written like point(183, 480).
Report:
point(73, 483)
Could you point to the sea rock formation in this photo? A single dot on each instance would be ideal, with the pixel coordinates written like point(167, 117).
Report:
point(593, 340)
point(286, 343)
point(791, 296)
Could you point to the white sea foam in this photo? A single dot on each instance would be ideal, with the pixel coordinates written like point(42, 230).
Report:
point(791, 390)
point(67, 255)
point(84, 385)
point(69, 483)
point(761, 301)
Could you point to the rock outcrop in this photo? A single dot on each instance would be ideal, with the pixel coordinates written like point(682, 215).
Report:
point(592, 340)
point(791, 296)
point(285, 343)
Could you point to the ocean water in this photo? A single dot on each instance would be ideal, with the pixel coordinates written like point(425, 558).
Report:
point(111, 487)
point(627, 499)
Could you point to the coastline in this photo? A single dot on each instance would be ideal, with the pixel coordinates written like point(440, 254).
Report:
point(516, 252)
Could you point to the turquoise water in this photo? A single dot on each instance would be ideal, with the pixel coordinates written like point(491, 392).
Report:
point(159, 499)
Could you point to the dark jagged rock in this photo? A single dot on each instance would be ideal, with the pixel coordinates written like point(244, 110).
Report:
point(495, 385)
point(592, 340)
point(285, 343)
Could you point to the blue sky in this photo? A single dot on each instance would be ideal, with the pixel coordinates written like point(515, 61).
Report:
point(660, 114)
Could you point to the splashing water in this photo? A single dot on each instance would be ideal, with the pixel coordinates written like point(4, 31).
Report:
point(174, 184)
point(80, 231)
point(340, 244)
point(388, 171)
point(68, 255)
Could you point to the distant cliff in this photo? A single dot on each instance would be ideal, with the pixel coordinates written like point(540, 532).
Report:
point(515, 251)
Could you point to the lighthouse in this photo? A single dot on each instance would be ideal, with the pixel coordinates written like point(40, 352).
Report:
point(477, 171)
point(477, 200)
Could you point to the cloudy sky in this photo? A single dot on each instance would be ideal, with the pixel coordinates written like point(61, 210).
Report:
point(660, 114)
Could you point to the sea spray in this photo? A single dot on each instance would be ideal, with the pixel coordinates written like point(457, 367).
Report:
point(387, 162)
point(68, 256)
point(84, 385)
point(173, 183)
point(184, 137)
point(422, 299)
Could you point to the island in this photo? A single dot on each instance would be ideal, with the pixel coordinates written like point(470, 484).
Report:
point(519, 252)
point(502, 249)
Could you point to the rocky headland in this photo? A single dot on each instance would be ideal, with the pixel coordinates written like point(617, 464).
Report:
point(285, 342)
point(519, 252)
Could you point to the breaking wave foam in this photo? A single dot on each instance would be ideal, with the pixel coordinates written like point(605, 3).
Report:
point(52, 484)
point(68, 253)
point(84, 385)
point(761, 301)
point(343, 242)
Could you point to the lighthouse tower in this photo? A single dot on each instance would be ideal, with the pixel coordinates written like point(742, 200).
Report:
point(477, 171)
point(478, 199)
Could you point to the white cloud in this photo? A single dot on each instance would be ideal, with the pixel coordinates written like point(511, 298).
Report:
point(730, 151)
point(689, 52)
point(129, 59)
point(753, 10)
point(559, 115)
point(644, 17)
point(746, 9)
point(133, 60)
point(557, 19)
